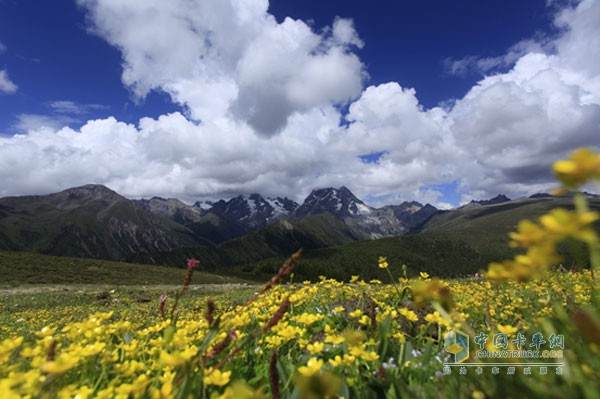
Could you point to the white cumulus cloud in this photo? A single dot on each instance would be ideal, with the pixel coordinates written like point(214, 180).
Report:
point(512, 126)
point(262, 112)
point(221, 58)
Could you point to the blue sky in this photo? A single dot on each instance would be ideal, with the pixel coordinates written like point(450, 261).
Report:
point(57, 60)
point(432, 101)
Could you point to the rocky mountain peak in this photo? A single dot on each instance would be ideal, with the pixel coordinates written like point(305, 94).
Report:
point(340, 202)
point(254, 210)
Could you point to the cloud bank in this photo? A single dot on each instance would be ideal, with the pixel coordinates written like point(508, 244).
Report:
point(263, 112)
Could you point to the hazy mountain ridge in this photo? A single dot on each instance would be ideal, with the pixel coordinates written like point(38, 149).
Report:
point(94, 221)
point(88, 221)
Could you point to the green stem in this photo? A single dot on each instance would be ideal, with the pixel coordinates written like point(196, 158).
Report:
point(394, 283)
point(581, 205)
point(401, 355)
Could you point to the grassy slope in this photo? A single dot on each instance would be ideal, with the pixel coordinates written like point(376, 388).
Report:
point(485, 229)
point(277, 240)
point(440, 257)
point(450, 244)
point(18, 268)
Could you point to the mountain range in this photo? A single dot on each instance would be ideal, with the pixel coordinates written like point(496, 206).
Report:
point(337, 230)
point(94, 221)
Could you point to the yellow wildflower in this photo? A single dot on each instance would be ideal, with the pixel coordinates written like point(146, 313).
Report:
point(308, 318)
point(400, 337)
point(424, 291)
point(434, 317)
point(334, 339)
point(93, 349)
point(313, 366)
point(565, 223)
point(583, 165)
point(383, 264)
point(61, 365)
point(178, 358)
point(478, 395)
point(359, 352)
point(7, 346)
point(409, 314)
point(315, 348)
point(216, 377)
point(336, 361)
point(528, 234)
point(289, 332)
point(524, 267)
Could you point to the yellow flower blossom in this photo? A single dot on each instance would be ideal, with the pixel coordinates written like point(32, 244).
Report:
point(289, 332)
point(399, 336)
point(313, 366)
point(315, 348)
point(334, 339)
point(61, 365)
point(336, 361)
point(176, 359)
point(478, 395)
point(571, 224)
point(409, 314)
point(528, 234)
point(7, 346)
point(582, 165)
point(434, 318)
point(361, 353)
point(524, 267)
point(217, 377)
point(308, 318)
point(382, 262)
point(425, 291)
